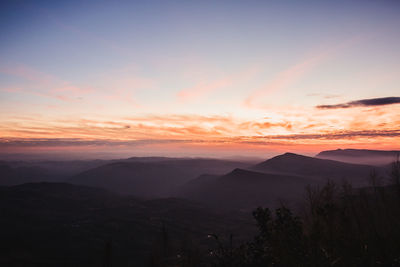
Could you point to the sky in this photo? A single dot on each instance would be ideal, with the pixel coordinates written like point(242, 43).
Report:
point(198, 78)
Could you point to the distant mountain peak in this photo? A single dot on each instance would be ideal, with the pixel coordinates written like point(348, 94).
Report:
point(360, 156)
point(288, 156)
point(291, 155)
point(358, 152)
point(320, 168)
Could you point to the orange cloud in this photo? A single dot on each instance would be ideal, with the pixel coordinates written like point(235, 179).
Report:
point(294, 130)
point(188, 127)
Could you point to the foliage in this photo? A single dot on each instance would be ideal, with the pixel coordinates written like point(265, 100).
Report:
point(341, 226)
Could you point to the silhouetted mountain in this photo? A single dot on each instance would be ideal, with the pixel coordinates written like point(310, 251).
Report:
point(150, 159)
point(282, 178)
point(19, 172)
point(58, 224)
point(151, 178)
point(294, 164)
point(61, 169)
point(244, 189)
point(360, 156)
point(20, 175)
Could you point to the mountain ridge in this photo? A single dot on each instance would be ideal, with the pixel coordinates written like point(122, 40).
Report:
point(361, 156)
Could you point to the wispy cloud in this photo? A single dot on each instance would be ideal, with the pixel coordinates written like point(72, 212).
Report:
point(11, 89)
point(196, 127)
point(326, 96)
point(294, 73)
point(205, 88)
point(142, 127)
point(334, 135)
point(43, 84)
point(116, 88)
point(364, 103)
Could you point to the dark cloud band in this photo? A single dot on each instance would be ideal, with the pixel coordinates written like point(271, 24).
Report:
point(364, 103)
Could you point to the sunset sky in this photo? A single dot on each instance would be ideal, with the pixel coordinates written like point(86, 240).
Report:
point(198, 78)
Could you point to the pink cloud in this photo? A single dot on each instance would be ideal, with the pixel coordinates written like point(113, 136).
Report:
point(11, 89)
point(43, 84)
point(122, 95)
point(203, 89)
point(27, 73)
point(293, 74)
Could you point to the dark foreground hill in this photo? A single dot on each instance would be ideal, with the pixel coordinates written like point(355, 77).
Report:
point(360, 156)
point(57, 224)
point(155, 178)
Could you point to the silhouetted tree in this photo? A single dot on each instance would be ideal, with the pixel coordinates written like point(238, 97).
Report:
point(342, 226)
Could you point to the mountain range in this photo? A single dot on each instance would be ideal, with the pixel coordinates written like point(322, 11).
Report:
point(144, 207)
point(282, 179)
point(217, 183)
